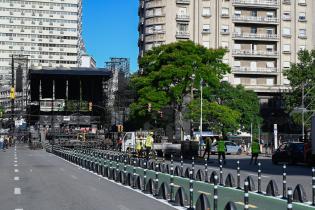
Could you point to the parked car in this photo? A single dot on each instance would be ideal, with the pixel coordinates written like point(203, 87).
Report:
point(231, 148)
point(290, 153)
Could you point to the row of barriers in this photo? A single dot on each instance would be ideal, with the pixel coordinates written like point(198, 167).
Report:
point(185, 186)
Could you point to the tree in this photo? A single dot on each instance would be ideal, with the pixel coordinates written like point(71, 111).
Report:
point(167, 73)
point(301, 76)
point(219, 118)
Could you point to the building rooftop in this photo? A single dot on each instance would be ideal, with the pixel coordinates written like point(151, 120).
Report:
point(72, 71)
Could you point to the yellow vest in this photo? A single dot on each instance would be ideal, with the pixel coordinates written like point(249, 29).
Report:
point(138, 146)
point(149, 141)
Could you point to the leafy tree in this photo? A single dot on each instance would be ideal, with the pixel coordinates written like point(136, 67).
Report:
point(167, 76)
point(301, 76)
point(219, 118)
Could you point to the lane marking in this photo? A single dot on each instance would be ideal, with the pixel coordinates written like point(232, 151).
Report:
point(16, 178)
point(18, 209)
point(17, 191)
point(249, 205)
point(15, 161)
point(74, 177)
point(31, 170)
point(16, 170)
point(15, 165)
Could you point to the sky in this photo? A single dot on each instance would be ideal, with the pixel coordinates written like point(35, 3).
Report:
point(110, 29)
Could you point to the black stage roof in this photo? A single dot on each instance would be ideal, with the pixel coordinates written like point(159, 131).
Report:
point(72, 72)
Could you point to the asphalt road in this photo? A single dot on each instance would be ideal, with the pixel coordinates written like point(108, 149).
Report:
point(36, 180)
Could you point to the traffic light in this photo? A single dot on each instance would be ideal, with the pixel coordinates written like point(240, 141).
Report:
point(90, 106)
point(149, 107)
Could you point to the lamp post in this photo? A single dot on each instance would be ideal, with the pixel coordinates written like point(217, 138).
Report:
point(201, 95)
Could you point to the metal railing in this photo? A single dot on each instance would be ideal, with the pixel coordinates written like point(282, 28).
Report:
point(258, 19)
point(183, 1)
point(255, 36)
point(182, 34)
point(257, 2)
point(259, 53)
point(182, 17)
point(258, 70)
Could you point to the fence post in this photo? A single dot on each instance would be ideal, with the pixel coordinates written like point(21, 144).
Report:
point(246, 200)
point(290, 198)
point(313, 186)
point(181, 164)
point(134, 173)
point(238, 175)
point(144, 179)
point(193, 167)
point(191, 193)
point(215, 193)
point(206, 170)
point(259, 177)
point(221, 173)
point(284, 182)
point(156, 183)
point(172, 180)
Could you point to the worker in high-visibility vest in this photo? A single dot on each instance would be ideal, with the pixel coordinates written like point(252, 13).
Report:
point(255, 151)
point(139, 148)
point(149, 144)
point(221, 148)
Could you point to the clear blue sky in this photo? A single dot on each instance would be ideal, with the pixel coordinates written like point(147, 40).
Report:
point(110, 29)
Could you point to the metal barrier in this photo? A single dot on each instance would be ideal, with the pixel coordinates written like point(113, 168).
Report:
point(189, 191)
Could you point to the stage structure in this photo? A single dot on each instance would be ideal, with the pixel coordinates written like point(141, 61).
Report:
point(69, 98)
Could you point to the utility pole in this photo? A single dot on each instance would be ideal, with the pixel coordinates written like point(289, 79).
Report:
point(201, 103)
point(303, 123)
point(13, 96)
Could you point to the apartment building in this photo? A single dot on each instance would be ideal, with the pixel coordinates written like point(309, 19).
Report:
point(262, 37)
point(48, 31)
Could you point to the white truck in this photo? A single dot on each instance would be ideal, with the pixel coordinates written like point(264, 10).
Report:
point(130, 139)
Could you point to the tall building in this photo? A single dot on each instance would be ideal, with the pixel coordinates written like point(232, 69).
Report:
point(48, 31)
point(262, 37)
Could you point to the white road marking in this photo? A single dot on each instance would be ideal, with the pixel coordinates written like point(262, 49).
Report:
point(17, 191)
point(15, 161)
point(16, 170)
point(15, 165)
point(257, 175)
point(31, 170)
point(16, 178)
point(74, 177)
point(18, 209)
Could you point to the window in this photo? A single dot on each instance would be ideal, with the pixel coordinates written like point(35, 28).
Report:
point(269, 31)
point(206, 28)
point(270, 65)
point(237, 63)
point(302, 2)
point(238, 30)
point(206, 44)
point(286, 64)
point(237, 46)
point(225, 12)
point(302, 47)
point(302, 16)
point(158, 11)
point(254, 13)
point(253, 30)
point(182, 27)
point(286, 48)
point(286, 16)
point(302, 33)
point(237, 13)
point(269, 47)
point(270, 14)
point(253, 81)
point(225, 29)
point(286, 32)
point(224, 44)
point(237, 80)
point(269, 81)
point(206, 11)
point(182, 11)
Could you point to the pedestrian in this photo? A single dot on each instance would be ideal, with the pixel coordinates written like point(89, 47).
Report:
point(1, 143)
point(255, 151)
point(5, 143)
point(148, 144)
point(221, 150)
point(208, 147)
point(139, 148)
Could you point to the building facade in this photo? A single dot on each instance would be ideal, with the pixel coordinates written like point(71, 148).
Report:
point(262, 37)
point(49, 32)
point(88, 61)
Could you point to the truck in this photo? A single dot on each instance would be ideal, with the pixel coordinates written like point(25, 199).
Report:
point(161, 144)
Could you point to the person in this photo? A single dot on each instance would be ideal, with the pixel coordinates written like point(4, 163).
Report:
point(221, 150)
point(119, 144)
point(148, 144)
point(208, 147)
point(255, 151)
point(5, 144)
point(139, 148)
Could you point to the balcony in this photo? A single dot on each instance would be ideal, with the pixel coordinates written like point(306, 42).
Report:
point(254, 19)
point(182, 1)
point(252, 36)
point(152, 4)
point(255, 53)
point(181, 17)
point(249, 70)
point(256, 3)
point(182, 35)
